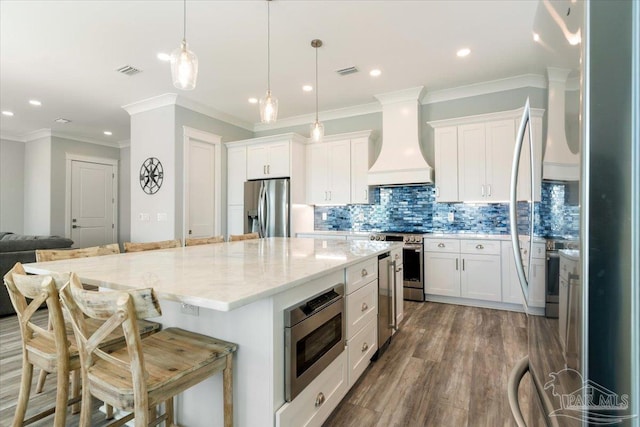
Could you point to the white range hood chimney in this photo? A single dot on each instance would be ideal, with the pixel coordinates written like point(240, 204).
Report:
point(400, 161)
point(559, 162)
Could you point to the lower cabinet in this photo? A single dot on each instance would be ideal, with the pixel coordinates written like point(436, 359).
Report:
point(442, 274)
point(511, 289)
point(396, 255)
point(314, 404)
point(360, 350)
point(480, 277)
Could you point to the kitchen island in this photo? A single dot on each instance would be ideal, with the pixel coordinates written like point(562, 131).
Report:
point(234, 291)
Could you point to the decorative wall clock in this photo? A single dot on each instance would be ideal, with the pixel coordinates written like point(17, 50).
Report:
point(151, 175)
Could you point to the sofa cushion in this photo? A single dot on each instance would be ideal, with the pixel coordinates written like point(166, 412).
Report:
point(19, 242)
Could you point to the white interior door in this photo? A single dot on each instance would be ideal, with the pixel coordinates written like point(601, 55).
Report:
point(202, 184)
point(93, 204)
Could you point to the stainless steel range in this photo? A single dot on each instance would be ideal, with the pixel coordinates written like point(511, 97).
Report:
point(412, 252)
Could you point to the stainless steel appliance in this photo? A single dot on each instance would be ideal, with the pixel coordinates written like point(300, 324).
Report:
point(413, 262)
point(386, 301)
point(314, 336)
point(267, 207)
point(552, 280)
point(596, 379)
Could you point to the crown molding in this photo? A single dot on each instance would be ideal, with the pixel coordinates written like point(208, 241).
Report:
point(307, 119)
point(124, 143)
point(486, 117)
point(151, 103)
point(213, 113)
point(6, 136)
point(410, 94)
point(290, 136)
point(37, 134)
point(347, 135)
point(483, 88)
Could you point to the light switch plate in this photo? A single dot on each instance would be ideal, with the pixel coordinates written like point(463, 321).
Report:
point(191, 310)
point(451, 217)
point(324, 216)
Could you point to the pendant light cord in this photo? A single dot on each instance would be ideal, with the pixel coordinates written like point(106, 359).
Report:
point(268, 46)
point(316, 85)
point(184, 14)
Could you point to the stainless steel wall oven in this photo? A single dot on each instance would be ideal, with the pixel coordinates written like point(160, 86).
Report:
point(314, 336)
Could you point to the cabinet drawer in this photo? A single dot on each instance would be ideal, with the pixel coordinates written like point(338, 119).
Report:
point(487, 247)
point(539, 250)
point(314, 404)
point(360, 274)
point(362, 306)
point(396, 255)
point(360, 349)
point(442, 245)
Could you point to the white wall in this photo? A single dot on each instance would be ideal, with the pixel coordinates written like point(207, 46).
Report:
point(153, 135)
point(37, 187)
point(12, 186)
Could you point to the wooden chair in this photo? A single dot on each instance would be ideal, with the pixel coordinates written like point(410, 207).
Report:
point(150, 246)
point(43, 255)
point(50, 350)
point(248, 236)
point(149, 371)
point(203, 240)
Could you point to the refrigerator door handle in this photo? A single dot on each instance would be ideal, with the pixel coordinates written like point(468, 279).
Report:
point(261, 210)
point(515, 377)
point(513, 200)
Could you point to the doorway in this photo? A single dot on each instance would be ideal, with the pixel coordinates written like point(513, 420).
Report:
point(91, 201)
point(202, 183)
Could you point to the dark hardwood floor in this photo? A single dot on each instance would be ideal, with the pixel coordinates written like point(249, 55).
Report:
point(447, 366)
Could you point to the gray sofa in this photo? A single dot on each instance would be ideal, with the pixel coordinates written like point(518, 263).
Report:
point(19, 248)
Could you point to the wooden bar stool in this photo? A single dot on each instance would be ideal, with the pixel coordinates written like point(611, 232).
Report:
point(150, 246)
point(203, 240)
point(148, 371)
point(248, 236)
point(43, 255)
point(50, 350)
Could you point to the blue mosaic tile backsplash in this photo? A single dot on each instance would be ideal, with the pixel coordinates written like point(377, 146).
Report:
point(414, 209)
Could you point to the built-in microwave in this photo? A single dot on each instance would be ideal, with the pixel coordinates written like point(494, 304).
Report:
point(314, 336)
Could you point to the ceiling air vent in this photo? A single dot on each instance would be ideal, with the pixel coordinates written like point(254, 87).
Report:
point(347, 71)
point(62, 120)
point(128, 70)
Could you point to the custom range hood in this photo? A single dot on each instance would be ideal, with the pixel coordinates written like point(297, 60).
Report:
point(400, 161)
point(559, 163)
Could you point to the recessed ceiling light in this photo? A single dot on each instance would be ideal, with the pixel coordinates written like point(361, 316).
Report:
point(35, 102)
point(536, 37)
point(164, 57)
point(307, 88)
point(108, 133)
point(7, 113)
point(375, 72)
point(62, 120)
point(463, 52)
point(253, 100)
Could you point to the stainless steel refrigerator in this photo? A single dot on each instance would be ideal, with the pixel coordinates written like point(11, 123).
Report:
point(598, 42)
point(267, 207)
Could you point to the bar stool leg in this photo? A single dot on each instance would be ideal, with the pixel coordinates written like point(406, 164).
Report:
point(62, 395)
point(75, 390)
point(41, 379)
point(25, 390)
point(168, 409)
point(227, 382)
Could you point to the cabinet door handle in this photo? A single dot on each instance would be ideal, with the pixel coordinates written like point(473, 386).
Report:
point(482, 190)
point(268, 169)
point(441, 245)
point(319, 399)
point(462, 264)
point(365, 347)
point(479, 247)
point(437, 191)
point(364, 272)
point(264, 169)
point(489, 190)
point(366, 194)
point(329, 194)
point(456, 264)
point(365, 307)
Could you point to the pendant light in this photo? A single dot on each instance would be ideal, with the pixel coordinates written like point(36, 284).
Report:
point(317, 128)
point(184, 63)
point(268, 104)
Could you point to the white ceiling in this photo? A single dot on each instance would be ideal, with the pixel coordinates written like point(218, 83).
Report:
point(64, 54)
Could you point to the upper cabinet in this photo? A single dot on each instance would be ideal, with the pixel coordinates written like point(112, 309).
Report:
point(474, 157)
point(337, 169)
point(269, 160)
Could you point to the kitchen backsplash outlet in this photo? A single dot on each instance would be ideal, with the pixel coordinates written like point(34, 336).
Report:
point(414, 209)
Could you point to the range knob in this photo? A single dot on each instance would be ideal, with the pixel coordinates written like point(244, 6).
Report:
point(372, 237)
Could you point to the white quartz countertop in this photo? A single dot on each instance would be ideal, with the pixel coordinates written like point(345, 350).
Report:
point(221, 276)
point(336, 233)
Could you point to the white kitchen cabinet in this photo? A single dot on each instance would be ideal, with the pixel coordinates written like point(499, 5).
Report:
point(359, 169)
point(236, 174)
point(480, 277)
point(396, 255)
point(235, 219)
point(270, 160)
point(524, 182)
point(511, 289)
point(537, 288)
point(442, 273)
point(483, 156)
point(329, 173)
point(446, 163)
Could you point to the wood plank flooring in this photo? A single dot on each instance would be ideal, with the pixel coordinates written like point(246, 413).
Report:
point(447, 366)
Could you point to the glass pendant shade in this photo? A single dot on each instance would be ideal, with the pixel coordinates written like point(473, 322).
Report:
point(268, 108)
point(317, 131)
point(184, 67)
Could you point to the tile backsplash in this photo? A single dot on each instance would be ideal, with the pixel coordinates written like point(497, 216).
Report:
point(414, 209)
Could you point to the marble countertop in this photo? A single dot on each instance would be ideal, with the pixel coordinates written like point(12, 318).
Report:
point(337, 233)
point(221, 276)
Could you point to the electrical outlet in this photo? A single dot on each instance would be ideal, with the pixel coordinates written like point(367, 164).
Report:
point(324, 216)
point(189, 309)
point(143, 216)
point(162, 216)
point(451, 217)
